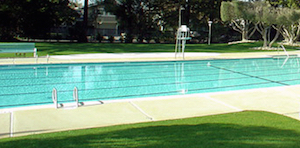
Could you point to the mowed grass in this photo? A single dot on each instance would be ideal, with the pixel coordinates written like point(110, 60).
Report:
point(81, 48)
point(84, 48)
point(234, 130)
point(73, 48)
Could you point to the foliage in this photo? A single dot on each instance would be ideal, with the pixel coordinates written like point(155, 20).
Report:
point(33, 18)
point(99, 37)
point(134, 16)
point(234, 130)
point(285, 3)
point(241, 16)
point(265, 17)
point(111, 39)
point(283, 20)
point(288, 24)
point(147, 19)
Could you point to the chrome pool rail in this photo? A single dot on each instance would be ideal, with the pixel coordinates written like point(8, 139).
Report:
point(54, 97)
point(286, 53)
point(75, 96)
point(55, 100)
point(28, 60)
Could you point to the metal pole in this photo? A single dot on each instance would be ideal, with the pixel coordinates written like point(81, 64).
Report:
point(75, 96)
point(117, 27)
point(209, 34)
point(54, 97)
point(179, 19)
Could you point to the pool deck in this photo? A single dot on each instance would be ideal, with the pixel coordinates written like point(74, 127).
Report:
point(18, 122)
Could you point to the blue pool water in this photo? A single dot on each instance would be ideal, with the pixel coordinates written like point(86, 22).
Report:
point(22, 85)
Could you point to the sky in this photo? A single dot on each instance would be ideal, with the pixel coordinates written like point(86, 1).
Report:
point(79, 1)
point(82, 1)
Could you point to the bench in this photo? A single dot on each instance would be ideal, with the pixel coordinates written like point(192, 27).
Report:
point(18, 48)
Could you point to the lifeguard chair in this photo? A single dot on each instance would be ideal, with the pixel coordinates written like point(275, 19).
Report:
point(183, 34)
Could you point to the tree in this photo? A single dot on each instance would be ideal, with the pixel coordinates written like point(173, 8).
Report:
point(239, 14)
point(33, 18)
point(136, 17)
point(288, 21)
point(295, 4)
point(10, 11)
point(266, 18)
point(82, 36)
point(143, 18)
point(289, 18)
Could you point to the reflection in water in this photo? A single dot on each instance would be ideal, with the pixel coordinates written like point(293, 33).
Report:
point(105, 81)
point(181, 85)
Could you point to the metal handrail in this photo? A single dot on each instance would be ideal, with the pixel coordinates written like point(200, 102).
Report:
point(54, 97)
point(287, 56)
point(75, 96)
point(48, 58)
point(183, 34)
point(285, 50)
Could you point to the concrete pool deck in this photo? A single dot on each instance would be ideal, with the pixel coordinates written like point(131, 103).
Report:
point(125, 57)
point(282, 100)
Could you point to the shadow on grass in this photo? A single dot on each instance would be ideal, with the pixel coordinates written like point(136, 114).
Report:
point(200, 135)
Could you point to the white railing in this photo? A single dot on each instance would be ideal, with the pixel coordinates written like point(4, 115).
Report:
point(55, 100)
point(287, 56)
point(286, 53)
point(33, 60)
point(183, 34)
point(54, 97)
point(75, 96)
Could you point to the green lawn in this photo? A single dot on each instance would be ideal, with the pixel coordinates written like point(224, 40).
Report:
point(235, 130)
point(81, 48)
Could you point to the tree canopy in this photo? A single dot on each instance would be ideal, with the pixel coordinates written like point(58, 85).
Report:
point(145, 18)
point(264, 16)
point(295, 4)
point(240, 15)
point(33, 18)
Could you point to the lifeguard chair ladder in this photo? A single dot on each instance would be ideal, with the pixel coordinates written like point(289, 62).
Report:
point(183, 34)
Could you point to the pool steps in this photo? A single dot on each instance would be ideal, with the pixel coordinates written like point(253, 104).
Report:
point(68, 105)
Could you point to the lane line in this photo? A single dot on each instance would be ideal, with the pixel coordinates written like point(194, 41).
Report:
point(252, 76)
point(138, 108)
point(11, 124)
point(223, 103)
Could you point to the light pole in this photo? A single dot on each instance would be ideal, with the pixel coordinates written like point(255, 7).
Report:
point(209, 31)
point(180, 9)
point(179, 20)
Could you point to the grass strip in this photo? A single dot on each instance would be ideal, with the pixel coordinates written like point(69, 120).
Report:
point(234, 130)
point(84, 48)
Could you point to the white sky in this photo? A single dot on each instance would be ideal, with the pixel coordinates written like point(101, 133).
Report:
point(79, 1)
point(82, 1)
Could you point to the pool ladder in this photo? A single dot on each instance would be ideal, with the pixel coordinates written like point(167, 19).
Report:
point(55, 100)
point(286, 53)
point(54, 97)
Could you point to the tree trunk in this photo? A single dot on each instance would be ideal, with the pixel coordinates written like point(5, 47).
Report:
point(265, 38)
point(274, 39)
point(83, 36)
point(244, 35)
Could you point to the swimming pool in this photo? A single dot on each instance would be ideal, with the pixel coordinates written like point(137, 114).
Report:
point(24, 85)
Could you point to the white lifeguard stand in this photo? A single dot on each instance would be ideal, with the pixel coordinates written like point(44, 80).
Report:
point(183, 34)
